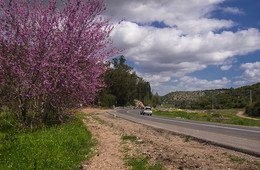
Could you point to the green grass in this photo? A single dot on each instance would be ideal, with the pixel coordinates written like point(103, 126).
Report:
point(131, 138)
point(218, 116)
point(236, 159)
point(138, 163)
point(135, 162)
point(57, 147)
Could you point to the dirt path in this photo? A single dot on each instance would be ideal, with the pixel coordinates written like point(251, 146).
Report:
point(241, 114)
point(107, 155)
point(170, 150)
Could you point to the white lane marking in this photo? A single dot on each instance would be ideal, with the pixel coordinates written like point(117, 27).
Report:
point(205, 124)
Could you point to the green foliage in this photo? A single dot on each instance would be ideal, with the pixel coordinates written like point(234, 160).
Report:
point(107, 100)
point(253, 109)
point(155, 100)
point(236, 159)
point(147, 100)
point(12, 121)
point(187, 139)
point(123, 86)
point(138, 163)
point(181, 99)
point(9, 123)
point(143, 92)
point(59, 147)
point(213, 99)
point(131, 138)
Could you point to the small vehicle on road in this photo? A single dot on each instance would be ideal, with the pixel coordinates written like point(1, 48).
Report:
point(146, 110)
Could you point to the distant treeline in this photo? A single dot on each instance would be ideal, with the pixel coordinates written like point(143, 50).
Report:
point(214, 99)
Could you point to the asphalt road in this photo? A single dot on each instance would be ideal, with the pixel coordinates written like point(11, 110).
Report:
point(240, 138)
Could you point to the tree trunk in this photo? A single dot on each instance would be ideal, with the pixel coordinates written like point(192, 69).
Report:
point(24, 115)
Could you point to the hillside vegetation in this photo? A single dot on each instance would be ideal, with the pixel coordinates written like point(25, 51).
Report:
point(183, 99)
point(213, 99)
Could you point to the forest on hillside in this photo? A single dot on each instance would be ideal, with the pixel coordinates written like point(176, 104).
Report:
point(182, 99)
point(214, 99)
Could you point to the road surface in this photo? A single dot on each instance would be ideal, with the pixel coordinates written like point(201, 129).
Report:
point(240, 138)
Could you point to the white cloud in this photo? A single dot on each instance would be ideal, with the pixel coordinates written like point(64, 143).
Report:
point(155, 80)
point(233, 10)
point(163, 50)
point(225, 67)
point(169, 11)
point(193, 83)
point(188, 83)
point(192, 41)
point(188, 46)
point(250, 66)
point(250, 75)
point(163, 83)
point(203, 25)
point(191, 16)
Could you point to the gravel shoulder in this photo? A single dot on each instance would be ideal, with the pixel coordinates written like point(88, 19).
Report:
point(171, 150)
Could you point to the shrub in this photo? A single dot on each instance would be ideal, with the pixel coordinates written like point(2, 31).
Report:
point(108, 100)
point(253, 109)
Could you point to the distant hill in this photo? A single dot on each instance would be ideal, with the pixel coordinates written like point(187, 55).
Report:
point(219, 98)
point(182, 98)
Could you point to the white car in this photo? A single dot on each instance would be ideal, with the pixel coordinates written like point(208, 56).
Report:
point(146, 110)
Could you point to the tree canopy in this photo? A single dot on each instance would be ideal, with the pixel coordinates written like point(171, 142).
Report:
point(123, 86)
point(51, 60)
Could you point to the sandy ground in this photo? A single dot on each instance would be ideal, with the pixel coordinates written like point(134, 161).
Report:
point(172, 150)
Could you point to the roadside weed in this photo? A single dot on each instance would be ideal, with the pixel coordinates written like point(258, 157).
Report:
point(236, 159)
point(187, 139)
point(137, 163)
point(131, 138)
point(134, 159)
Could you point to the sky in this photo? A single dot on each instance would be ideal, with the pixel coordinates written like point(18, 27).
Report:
point(188, 45)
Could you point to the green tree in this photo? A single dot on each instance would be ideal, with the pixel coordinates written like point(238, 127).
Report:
point(155, 100)
point(143, 90)
point(124, 85)
point(107, 100)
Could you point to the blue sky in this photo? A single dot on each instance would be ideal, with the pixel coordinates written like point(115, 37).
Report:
point(186, 45)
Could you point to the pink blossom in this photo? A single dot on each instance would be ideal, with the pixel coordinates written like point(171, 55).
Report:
point(53, 56)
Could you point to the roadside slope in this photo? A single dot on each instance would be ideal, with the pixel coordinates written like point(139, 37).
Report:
point(172, 151)
point(106, 152)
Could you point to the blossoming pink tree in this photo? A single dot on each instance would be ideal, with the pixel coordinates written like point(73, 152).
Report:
point(51, 59)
